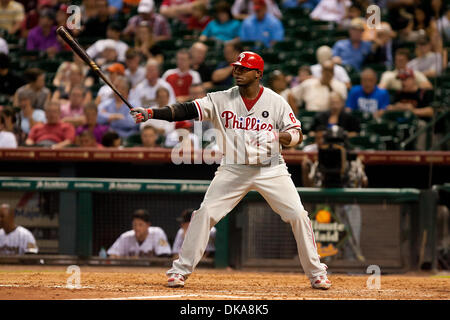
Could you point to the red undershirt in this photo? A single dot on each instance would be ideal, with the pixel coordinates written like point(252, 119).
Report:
point(249, 103)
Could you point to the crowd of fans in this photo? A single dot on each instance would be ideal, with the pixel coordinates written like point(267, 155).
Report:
point(75, 108)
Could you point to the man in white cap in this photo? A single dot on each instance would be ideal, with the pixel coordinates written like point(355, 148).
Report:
point(113, 41)
point(157, 23)
point(323, 54)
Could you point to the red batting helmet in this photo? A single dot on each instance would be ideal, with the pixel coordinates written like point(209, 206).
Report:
point(250, 60)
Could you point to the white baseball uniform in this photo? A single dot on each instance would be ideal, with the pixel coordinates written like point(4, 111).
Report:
point(245, 167)
point(127, 246)
point(19, 241)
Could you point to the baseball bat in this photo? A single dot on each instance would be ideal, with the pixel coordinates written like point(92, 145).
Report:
point(65, 35)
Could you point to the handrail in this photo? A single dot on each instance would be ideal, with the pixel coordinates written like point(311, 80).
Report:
point(424, 129)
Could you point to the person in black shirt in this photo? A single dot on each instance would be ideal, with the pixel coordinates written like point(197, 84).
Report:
point(198, 53)
point(412, 98)
point(337, 116)
point(9, 81)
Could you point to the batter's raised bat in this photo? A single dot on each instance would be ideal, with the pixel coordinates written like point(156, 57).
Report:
point(65, 35)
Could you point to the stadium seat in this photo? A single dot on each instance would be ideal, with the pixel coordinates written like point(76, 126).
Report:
point(387, 131)
point(133, 140)
point(307, 119)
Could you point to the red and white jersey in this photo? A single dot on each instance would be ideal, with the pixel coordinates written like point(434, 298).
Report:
point(19, 241)
point(237, 127)
point(181, 81)
point(127, 246)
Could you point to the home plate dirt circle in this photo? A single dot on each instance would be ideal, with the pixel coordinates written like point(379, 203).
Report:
point(137, 283)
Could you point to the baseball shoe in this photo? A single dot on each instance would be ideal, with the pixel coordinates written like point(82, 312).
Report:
point(321, 282)
point(176, 280)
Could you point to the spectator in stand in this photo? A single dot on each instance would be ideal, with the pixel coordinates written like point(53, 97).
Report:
point(62, 76)
point(12, 14)
point(161, 126)
point(199, 18)
point(305, 4)
point(353, 51)
point(223, 27)
point(222, 76)
point(428, 62)
point(90, 112)
point(105, 92)
point(303, 73)
point(111, 140)
point(97, 25)
point(4, 46)
point(412, 98)
point(9, 80)
point(184, 221)
point(443, 24)
point(355, 11)
point(43, 37)
point(113, 41)
point(389, 79)
point(55, 133)
point(86, 139)
point(149, 137)
point(144, 44)
point(14, 239)
point(331, 10)
point(61, 15)
point(336, 115)
point(116, 113)
point(198, 53)
point(424, 24)
point(29, 117)
point(89, 10)
point(36, 82)
point(278, 83)
point(315, 93)
point(157, 24)
point(75, 79)
point(180, 10)
point(143, 241)
point(382, 46)
point(145, 92)
point(242, 9)
point(116, 6)
point(324, 53)
point(72, 110)
point(183, 76)
point(134, 72)
point(368, 97)
point(262, 26)
point(7, 137)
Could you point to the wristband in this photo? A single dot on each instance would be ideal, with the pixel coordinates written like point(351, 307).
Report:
point(295, 137)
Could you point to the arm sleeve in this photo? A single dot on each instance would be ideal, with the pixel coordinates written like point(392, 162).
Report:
point(177, 112)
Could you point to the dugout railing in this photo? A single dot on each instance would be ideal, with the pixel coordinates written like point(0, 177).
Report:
point(73, 218)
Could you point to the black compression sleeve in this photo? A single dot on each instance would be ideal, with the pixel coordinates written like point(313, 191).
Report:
point(176, 112)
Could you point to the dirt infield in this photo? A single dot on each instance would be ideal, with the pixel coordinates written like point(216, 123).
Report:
point(49, 282)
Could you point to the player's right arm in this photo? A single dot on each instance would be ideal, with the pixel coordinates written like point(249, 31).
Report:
point(200, 109)
point(175, 112)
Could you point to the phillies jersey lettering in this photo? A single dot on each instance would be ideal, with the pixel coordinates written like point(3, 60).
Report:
point(237, 128)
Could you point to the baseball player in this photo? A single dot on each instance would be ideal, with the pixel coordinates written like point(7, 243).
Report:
point(252, 122)
point(14, 240)
point(142, 241)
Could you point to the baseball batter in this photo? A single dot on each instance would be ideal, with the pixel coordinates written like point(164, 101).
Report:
point(251, 122)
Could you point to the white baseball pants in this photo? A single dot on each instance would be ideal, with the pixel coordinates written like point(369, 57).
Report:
point(230, 184)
